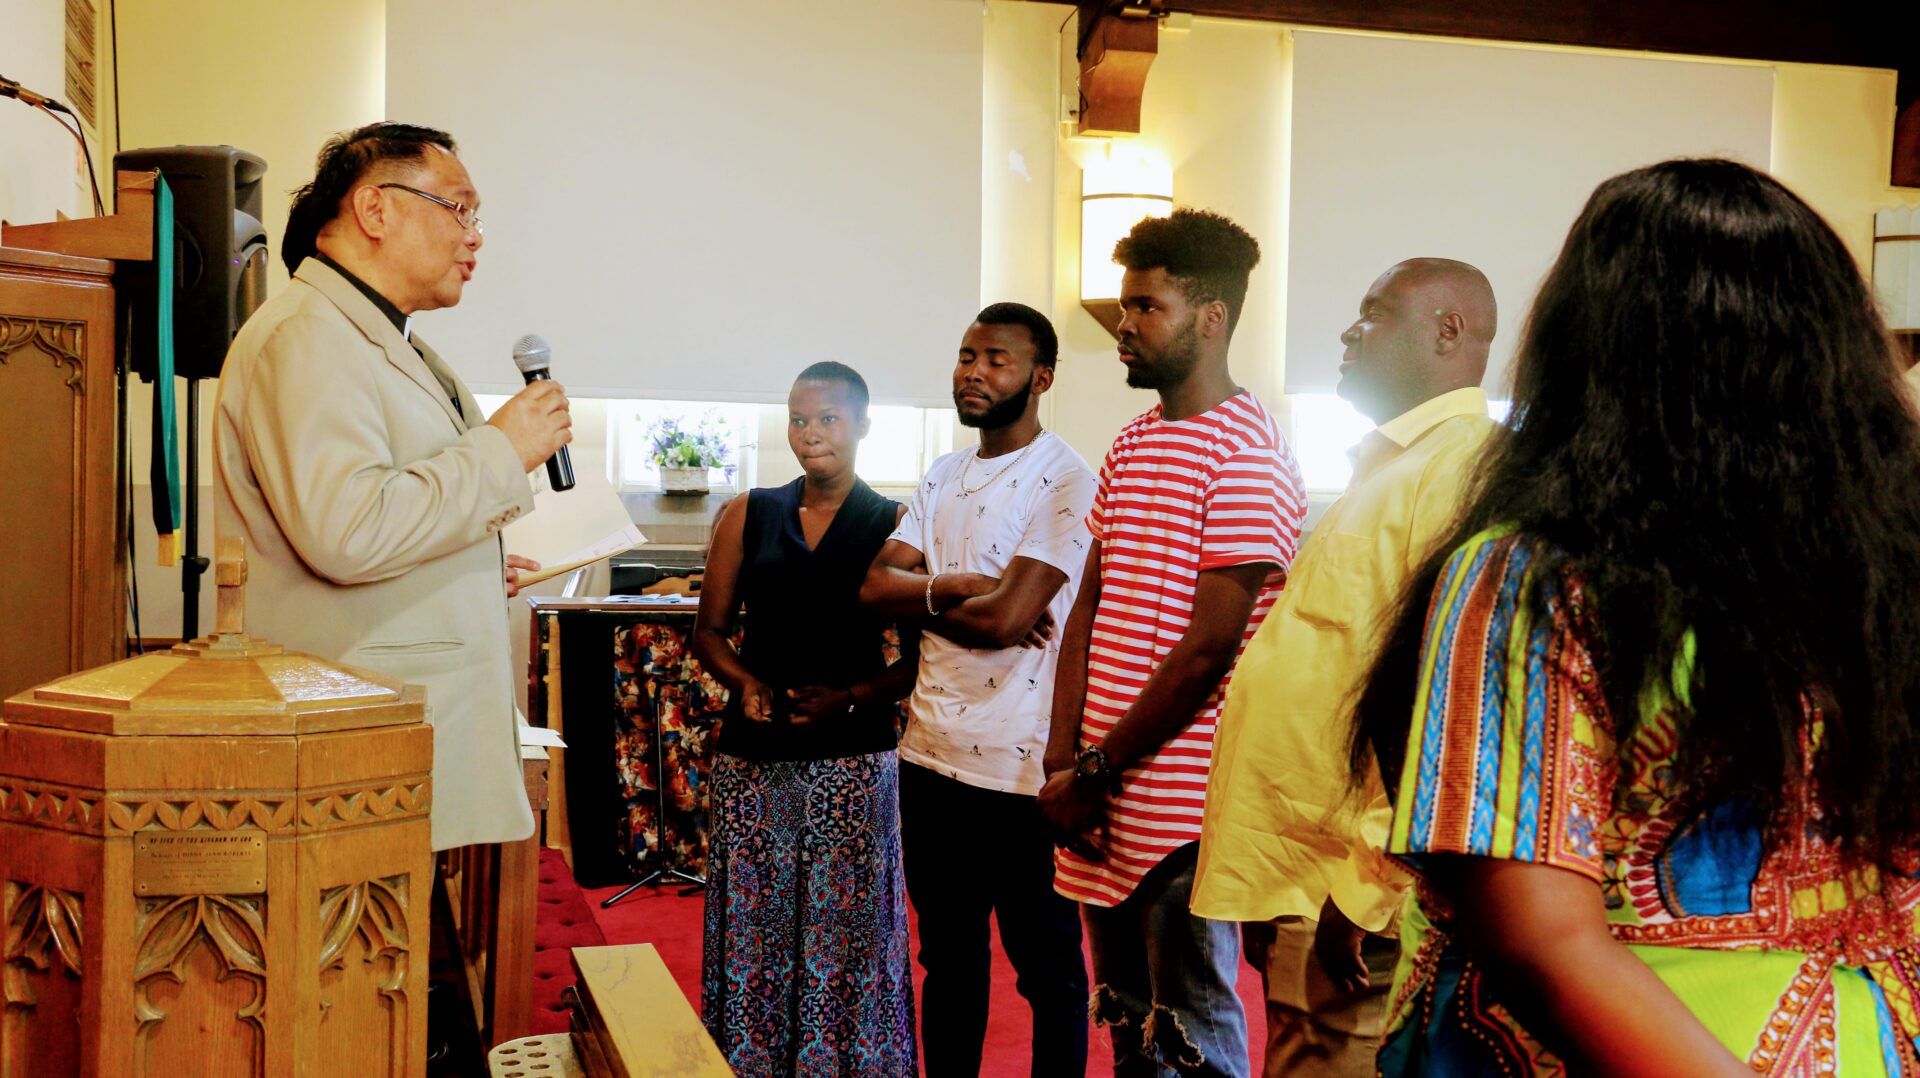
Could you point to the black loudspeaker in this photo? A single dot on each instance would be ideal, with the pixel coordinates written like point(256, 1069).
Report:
point(220, 257)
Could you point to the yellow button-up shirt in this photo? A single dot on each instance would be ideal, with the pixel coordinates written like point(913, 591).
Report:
point(1280, 831)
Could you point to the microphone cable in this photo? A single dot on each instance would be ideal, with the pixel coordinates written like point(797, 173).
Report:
point(52, 107)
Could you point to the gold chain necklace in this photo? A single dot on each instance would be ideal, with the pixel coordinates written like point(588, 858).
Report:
point(968, 466)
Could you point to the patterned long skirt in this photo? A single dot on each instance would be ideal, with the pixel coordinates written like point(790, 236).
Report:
point(807, 970)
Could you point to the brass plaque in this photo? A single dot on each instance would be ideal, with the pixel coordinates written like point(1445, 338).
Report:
point(200, 862)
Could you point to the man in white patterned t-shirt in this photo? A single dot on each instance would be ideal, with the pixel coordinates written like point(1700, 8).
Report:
point(987, 561)
point(1194, 526)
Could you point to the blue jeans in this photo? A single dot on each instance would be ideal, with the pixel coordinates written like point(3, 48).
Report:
point(1163, 980)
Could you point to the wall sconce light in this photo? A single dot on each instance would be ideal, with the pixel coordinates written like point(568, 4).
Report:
point(1115, 195)
point(1896, 272)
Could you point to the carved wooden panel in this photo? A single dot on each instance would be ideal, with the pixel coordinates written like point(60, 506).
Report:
point(254, 904)
point(380, 804)
point(40, 982)
point(366, 957)
point(61, 602)
point(200, 978)
point(63, 342)
point(44, 805)
point(73, 810)
point(39, 369)
point(187, 814)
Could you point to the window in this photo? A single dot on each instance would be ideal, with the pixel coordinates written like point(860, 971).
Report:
point(634, 424)
point(628, 443)
point(1325, 427)
point(903, 443)
point(896, 452)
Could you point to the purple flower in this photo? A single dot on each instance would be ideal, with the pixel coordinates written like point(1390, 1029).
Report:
point(708, 445)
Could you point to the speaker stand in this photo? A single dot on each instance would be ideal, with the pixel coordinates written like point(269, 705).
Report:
point(666, 866)
point(192, 565)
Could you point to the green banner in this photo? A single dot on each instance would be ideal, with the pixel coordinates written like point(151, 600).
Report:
point(164, 474)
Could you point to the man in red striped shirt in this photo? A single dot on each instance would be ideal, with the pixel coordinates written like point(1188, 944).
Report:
point(1194, 524)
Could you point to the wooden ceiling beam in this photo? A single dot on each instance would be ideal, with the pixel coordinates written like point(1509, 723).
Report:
point(1116, 50)
point(1848, 32)
point(1781, 30)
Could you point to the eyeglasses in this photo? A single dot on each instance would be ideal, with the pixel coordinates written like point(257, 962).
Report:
point(462, 212)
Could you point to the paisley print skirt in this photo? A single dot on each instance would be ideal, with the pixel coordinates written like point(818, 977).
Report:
point(806, 968)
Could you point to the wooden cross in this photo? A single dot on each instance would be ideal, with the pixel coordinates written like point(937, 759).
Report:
point(230, 575)
point(229, 639)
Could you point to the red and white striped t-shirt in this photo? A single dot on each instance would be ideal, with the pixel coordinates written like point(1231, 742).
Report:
point(1175, 499)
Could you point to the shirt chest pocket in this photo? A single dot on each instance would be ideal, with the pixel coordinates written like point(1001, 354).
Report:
point(1337, 589)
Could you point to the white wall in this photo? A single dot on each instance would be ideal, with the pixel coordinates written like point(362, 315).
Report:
point(1216, 106)
point(1019, 135)
point(1483, 153)
point(272, 78)
point(696, 201)
point(1833, 144)
point(1216, 111)
point(43, 175)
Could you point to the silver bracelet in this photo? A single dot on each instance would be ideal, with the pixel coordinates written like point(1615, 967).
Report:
point(931, 612)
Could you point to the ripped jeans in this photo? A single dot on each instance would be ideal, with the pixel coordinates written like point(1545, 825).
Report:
point(1163, 980)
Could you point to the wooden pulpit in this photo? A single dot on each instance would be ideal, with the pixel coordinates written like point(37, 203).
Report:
point(63, 601)
point(215, 862)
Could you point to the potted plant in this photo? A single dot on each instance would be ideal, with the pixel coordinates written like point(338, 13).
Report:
point(685, 454)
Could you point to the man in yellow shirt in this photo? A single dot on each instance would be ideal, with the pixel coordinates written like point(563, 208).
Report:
point(1283, 846)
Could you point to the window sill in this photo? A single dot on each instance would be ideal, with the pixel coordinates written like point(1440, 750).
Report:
point(654, 488)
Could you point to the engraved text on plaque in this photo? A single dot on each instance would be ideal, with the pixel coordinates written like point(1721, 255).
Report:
point(200, 863)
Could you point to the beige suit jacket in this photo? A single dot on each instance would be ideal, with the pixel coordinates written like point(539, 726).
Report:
point(371, 511)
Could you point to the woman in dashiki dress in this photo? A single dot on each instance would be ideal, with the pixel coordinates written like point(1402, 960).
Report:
point(1649, 720)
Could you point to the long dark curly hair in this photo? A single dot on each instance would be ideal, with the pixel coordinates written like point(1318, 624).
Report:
point(1710, 432)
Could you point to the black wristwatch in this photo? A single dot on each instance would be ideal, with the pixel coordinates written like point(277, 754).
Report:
point(1093, 764)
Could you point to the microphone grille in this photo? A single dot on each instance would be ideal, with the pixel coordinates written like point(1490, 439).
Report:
point(530, 353)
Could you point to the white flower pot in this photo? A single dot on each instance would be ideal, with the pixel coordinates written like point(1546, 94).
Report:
point(683, 480)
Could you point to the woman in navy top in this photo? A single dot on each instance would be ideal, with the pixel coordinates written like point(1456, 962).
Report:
point(806, 958)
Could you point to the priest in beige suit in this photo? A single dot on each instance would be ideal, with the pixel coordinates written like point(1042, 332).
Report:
point(369, 488)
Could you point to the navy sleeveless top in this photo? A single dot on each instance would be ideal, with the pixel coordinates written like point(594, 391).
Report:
point(804, 626)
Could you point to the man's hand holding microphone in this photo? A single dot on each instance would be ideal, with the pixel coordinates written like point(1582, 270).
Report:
point(535, 360)
point(539, 424)
point(536, 420)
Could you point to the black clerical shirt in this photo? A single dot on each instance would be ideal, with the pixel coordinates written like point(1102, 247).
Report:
point(393, 315)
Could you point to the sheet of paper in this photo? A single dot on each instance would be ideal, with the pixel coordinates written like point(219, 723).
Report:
point(542, 736)
point(571, 528)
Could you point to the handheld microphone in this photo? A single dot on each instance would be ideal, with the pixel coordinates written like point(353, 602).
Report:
point(535, 360)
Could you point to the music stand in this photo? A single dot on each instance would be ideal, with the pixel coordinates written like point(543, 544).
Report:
point(666, 865)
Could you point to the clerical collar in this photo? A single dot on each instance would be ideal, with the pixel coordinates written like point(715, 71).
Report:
point(400, 321)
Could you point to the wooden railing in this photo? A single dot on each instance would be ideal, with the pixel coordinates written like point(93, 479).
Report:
point(493, 891)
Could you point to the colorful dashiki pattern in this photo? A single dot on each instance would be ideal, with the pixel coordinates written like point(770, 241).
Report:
point(1800, 964)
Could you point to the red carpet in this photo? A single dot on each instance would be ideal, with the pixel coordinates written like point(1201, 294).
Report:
point(672, 924)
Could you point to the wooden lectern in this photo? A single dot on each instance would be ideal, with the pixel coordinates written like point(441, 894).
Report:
point(64, 595)
point(215, 862)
